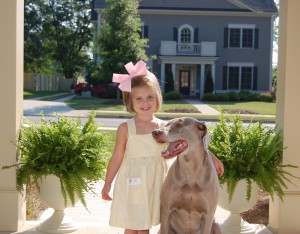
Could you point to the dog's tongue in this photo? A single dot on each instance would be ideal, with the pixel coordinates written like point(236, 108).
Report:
point(174, 148)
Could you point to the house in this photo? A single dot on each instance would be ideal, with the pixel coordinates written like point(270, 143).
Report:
point(231, 38)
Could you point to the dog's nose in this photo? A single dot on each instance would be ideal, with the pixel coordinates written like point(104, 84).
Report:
point(155, 132)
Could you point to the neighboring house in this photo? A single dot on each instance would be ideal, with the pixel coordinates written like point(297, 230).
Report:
point(232, 38)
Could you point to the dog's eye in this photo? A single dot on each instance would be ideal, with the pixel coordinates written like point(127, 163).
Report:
point(179, 124)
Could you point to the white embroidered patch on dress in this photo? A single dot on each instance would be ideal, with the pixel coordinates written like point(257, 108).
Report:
point(134, 181)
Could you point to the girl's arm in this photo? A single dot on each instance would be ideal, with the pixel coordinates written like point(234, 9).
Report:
point(218, 164)
point(116, 160)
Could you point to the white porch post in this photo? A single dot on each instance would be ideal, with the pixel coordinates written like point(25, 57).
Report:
point(284, 216)
point(202, 79)
point(174, 75)
point(162, 77)
point(213, 74)
point(174, 72)
point(12, 214)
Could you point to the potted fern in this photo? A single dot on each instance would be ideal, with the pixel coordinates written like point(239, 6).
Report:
point(77, 155)
point(252, 152)
point(252, 155)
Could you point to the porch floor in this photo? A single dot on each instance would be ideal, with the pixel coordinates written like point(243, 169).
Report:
point(96, 221)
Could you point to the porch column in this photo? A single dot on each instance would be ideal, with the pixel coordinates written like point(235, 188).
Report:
point(162, 77)
point(202, 79)
point(174, 74)
point(284, 216)
point(12, 213)
point(213, 74)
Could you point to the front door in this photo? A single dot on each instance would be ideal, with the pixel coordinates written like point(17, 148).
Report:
point(184, 83)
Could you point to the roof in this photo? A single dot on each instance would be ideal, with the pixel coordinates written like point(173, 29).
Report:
point(252, 5)
point(258, 5)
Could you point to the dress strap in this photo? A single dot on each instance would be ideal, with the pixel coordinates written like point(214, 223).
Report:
point(131, 126)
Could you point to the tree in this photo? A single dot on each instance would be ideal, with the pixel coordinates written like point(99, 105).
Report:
point(36, 57)
point(60, 33)
point(119, 41)
point(209, 83)
point(169, 86)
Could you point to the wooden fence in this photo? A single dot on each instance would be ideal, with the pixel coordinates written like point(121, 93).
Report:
point(46, 82)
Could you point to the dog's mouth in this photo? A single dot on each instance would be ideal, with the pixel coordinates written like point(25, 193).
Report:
point(175, 148)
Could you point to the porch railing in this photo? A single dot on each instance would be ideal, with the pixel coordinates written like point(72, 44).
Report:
point(188, 49)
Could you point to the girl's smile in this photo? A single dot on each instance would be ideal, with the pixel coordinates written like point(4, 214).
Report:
point(144, 100)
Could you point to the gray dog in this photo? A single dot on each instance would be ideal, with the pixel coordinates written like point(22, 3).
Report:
point(189, 195)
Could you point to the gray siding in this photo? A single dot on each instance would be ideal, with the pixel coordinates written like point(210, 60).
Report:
point(211, 28)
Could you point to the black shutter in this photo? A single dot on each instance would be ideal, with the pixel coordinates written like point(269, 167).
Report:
point(254, 78)
point(225, 68)
point(256, 37)
point(196, 39)
point(175, 34)
point(146, 29)
point(226, 37)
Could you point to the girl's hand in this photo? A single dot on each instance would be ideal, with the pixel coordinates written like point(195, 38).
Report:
point(219, 167)
point(105, 192)
point(218, 164)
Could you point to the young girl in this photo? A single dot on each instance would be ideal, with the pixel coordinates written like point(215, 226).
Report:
point(137, 156)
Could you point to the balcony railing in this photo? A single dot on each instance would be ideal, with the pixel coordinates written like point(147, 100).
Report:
point(188, 49)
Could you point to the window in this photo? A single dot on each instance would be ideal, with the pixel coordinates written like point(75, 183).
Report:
point(246, 78)
point(233, 78)
point(144, 31)
point(241, 36)
point(186, 35)
point(240, 77)
point(185, 38)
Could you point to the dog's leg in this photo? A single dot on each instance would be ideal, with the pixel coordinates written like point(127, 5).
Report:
point(164, 222)
point(215, 229)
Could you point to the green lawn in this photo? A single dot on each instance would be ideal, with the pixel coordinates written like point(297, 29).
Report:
point(27, 94)
point(117, 104)
point(263, 108)
point(97, 104)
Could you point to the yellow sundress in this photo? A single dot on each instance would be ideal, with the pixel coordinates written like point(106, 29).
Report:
point(136, 196)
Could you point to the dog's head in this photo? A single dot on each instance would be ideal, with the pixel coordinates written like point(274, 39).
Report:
point(181, 133)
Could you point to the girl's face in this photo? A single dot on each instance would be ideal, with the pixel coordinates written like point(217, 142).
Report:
point(144, 100)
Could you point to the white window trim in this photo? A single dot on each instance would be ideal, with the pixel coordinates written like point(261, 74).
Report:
point(185, 26)
point(241, 26)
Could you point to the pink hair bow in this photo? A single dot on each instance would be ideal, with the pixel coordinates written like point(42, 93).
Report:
point(138, 69)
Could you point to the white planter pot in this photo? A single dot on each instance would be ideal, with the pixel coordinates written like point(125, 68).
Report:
point(50, 194)
point(234, 224)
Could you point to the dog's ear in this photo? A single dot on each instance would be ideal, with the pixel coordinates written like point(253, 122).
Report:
point(203, 129)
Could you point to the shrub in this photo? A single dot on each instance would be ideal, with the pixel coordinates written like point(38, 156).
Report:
point(266, 97)
point(209, 83)
point(223, 97)
point(173, 95)
point(210, 97)
point(169, 86)
point(233, 96)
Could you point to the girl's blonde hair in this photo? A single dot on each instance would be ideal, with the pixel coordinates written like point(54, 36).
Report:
point(139, 81)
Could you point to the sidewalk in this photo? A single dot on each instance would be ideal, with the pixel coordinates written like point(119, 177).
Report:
point(36, 106)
